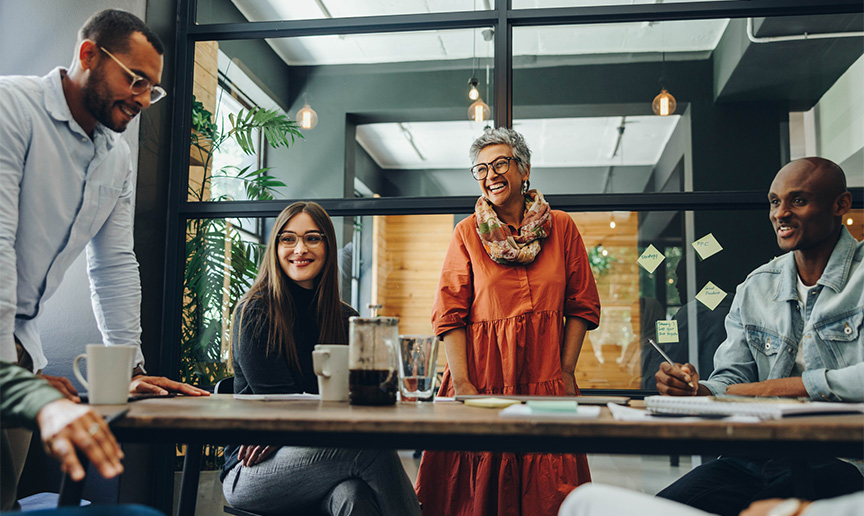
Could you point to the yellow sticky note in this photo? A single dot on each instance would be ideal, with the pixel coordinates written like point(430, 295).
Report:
point(650, 259)
point(667, 331)
point(707, 246)
point(710, 295)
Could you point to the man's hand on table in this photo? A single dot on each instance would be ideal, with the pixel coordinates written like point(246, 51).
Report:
point(251, 454)
point(792, 387)
point(679, 380)
point(143, 384)
point(63, 385)
point(65, 426)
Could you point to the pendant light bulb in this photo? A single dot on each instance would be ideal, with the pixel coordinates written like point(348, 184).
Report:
point(664, 103)
point(473, 93)
point(307, 118)
point(479, 111)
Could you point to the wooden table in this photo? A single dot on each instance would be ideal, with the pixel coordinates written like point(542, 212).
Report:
point(220, 419)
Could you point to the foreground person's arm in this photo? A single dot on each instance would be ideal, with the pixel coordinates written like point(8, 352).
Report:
point(64, 425)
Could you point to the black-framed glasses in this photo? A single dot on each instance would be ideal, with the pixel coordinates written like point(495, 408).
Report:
point(310, 240)
point(139, 84)
point(500, 165)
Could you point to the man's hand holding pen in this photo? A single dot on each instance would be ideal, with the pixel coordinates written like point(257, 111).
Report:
point(679, 380)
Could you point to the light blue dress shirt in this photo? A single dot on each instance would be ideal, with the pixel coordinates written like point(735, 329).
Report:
point(767, 325)
point(61, 192)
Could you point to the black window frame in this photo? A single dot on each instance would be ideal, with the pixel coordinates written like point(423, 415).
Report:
point(503, 19)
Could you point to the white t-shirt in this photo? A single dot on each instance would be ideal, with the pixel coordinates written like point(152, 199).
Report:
point(803, 293)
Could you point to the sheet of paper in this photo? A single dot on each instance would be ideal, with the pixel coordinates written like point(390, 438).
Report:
point(667, 331)
point(650, 259)
point(707, 246)
point(711, 295)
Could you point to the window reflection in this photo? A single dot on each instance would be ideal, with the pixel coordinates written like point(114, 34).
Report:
point(396, 261)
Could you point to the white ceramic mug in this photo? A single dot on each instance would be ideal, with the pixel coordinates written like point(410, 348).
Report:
point(330, 362)
point(109, 371)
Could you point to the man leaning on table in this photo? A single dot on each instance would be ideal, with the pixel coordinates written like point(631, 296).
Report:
point(67, 182)
point(795, 329)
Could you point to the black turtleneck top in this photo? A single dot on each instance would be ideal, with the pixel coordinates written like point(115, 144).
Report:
point(257, 373)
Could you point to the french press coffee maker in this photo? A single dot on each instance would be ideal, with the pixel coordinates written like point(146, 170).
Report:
point(372, 359)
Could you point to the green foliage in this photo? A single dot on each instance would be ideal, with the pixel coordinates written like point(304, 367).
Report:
point(600, 263)
point(277, 128)
point(215, 249)
point(202, 120)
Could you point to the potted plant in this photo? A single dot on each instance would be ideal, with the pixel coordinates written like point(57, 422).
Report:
point(220, 263)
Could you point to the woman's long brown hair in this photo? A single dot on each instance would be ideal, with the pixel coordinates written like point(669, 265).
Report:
point(270, 291)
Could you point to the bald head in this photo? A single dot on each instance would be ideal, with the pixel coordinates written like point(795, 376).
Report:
point(808, 197)
point(822, 175)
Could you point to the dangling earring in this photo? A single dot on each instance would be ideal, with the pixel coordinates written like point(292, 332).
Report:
point(525, 185)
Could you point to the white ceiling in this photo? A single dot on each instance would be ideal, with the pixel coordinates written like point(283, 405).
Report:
point(564, 142)
point(559, 142)
point(628, 38)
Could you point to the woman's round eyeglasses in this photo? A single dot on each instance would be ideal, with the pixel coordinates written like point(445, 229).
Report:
point(500, 165)
point(310, 240)
point(139, 84)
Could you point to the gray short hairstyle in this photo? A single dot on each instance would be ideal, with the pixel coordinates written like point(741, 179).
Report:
point(505, 136)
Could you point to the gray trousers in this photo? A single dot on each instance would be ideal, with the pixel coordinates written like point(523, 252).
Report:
point(330, 481)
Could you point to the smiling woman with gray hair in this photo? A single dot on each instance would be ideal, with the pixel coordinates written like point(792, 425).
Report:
point(515, 271)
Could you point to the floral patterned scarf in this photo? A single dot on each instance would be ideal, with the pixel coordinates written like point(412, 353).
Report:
point(522, 247)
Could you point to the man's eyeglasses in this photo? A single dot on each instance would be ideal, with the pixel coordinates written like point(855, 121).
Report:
point(499, 165)
point(139, 84)
point(310, 240)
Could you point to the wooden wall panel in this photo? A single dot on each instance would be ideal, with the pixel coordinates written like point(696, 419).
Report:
point(407, 257)
point(204, 87)
point(611, 354)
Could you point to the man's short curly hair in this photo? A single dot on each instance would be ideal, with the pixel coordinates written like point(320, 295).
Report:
point(505, 136)
point(111, 29)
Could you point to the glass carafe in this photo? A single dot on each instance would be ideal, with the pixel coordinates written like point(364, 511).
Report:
point(372, 360)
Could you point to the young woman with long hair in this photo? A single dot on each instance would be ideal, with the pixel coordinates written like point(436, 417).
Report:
point(294, 304)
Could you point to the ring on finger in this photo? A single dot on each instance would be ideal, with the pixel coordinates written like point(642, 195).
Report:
point(93, 429)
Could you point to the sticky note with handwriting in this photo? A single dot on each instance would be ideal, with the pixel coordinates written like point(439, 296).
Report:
point(650, 259)
point(667, 331)
point(707, 246)
point(711, 295)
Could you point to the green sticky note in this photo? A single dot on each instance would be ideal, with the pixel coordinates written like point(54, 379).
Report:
point(711, 295)
point(707, 246)
point(667, 331)
point(552, 406)
point(651, 259)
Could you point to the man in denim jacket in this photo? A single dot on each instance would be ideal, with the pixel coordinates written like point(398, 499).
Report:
point(795, 329)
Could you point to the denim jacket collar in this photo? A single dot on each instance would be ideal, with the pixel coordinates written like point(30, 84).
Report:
point(835, 275)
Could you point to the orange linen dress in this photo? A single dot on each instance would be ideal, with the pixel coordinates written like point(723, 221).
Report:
point(514, 321)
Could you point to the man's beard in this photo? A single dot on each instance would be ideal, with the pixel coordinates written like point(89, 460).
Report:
point(98, 103)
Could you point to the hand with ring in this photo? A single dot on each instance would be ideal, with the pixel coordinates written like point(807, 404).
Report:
point(65, 426)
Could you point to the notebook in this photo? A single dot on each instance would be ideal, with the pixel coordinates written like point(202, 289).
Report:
point(763, 408)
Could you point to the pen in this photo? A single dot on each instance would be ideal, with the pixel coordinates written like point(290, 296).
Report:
point(666, 357)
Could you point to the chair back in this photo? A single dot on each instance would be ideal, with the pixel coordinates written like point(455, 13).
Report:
point(224, 386)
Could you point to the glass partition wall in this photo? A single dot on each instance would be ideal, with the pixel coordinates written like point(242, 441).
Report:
point(655, 126)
